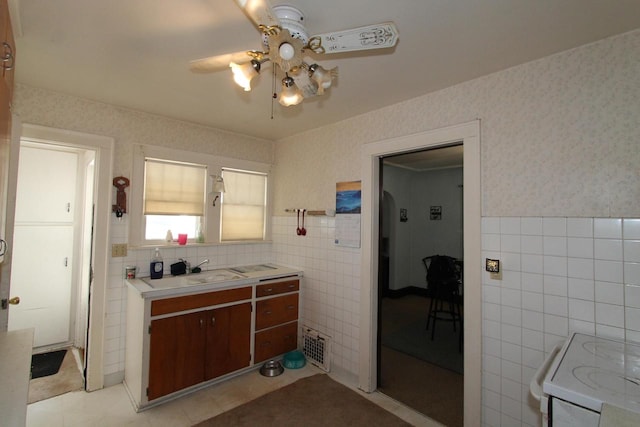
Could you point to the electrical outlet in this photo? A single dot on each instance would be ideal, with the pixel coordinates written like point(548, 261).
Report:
point(118, 250)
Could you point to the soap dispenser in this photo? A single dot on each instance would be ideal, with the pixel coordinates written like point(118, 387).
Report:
point(157, 266)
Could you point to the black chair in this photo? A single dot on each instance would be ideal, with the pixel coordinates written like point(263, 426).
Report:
point(444, 280)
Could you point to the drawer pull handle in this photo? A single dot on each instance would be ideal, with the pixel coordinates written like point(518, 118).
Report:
point(269, 290)
point(267, 313)
point(213, 320)
point(201, 323)
point(291, 286)
point(291, 307)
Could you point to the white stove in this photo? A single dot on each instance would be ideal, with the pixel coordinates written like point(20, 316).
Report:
point(591, 371)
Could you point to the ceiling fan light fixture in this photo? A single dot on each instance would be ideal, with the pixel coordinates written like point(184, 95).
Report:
point(322, 77)
point(290, 94)
point(242, 74)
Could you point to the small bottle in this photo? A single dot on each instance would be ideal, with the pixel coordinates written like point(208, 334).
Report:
point(157, 266)
point(169, 237)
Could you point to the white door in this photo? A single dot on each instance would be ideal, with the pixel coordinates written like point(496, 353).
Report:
point(41, 269)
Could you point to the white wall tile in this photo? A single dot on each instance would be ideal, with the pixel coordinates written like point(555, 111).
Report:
point(533, 320)
point(631, 228)
point(608, 249)
point(581, 288)
point(632, 318)
point(553, 245)
point(532, 339)
point(632, 296)
point(609, 293)
point(608, 271)
point(580, 247)
point(580, 227)
point(556, 305)
point(533, 301)
point(556, 325)
point(580, 268)
point(554, 226)
point(555, 265)
point(632, 250)
point(531, 226)
point(490, 225)
point(510, 243)
point(632, 273)
point(531, 244)
point(556, 285)
point(607, 228)
point(532, 282)
point(582, 310)
point(609, 315)
point(510, 225)
point(532, 263)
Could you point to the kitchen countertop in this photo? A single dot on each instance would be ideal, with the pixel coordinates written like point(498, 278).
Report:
point(15, 371)
point(246, 275)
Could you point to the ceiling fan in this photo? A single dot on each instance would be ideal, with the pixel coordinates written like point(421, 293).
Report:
point(285, 41)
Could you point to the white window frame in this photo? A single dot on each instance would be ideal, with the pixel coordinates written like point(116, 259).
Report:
point(212, 217)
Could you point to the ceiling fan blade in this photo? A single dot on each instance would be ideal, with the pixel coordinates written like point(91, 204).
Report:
point(374, 36)
point(217, 63)
point(259, 11)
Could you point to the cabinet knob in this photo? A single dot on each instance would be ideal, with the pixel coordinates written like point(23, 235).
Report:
point(201, 323)
point(267, 313)
point(213, 320)
point(269, 290)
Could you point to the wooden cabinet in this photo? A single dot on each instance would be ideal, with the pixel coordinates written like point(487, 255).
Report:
point(174, 344)
point(276, 319)
point(188, 349)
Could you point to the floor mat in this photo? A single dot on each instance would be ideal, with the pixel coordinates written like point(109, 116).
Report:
point(45, 364)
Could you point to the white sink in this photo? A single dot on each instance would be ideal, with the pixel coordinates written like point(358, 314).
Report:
point(205, 277)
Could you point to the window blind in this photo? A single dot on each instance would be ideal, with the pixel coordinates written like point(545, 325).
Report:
point(244, 205)
point(172, 188)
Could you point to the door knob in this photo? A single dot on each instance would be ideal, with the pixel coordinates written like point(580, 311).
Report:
point(14, 300)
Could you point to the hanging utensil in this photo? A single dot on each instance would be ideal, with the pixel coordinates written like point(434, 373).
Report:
point(298, 230)
point(304, 230)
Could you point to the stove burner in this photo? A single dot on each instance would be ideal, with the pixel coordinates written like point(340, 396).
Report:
point(614, 383)
point(615, 351)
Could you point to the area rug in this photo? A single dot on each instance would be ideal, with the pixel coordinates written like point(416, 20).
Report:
point(413, 339)
point(313, 401)
point(68, 378)
point(45, 364)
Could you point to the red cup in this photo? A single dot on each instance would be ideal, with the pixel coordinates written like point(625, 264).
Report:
point(182, 239)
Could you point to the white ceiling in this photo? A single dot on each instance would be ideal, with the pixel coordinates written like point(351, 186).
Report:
point(135, 53)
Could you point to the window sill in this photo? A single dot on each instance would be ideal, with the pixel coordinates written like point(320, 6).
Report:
point(165, 245)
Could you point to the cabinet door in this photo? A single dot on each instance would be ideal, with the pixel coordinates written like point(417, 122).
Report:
point(228, 340)
point(177, 348)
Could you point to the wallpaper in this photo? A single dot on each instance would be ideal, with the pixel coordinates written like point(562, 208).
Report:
point(560, 136)
point(127, 127)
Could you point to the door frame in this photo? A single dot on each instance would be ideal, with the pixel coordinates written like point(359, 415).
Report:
point(103, 147)
point(469, 135)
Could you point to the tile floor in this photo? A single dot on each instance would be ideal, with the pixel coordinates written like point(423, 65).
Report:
point(111, 406)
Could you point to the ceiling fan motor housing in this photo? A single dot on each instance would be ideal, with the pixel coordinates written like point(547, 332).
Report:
point(291, 19)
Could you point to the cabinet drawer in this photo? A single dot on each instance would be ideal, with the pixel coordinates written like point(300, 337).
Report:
point(274, 311)
point(277, 288)
point(189, 302)
point(276, 341)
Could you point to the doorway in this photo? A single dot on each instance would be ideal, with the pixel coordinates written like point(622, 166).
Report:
point(51, 243)
point(101, 188)
point(469, 135)
point(421, 217)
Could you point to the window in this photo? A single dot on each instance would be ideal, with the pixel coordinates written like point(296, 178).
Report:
point(244, 205)
point(172, 190)
point(174, 198)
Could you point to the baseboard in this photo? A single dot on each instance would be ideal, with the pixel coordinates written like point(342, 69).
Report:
point(113, 379)
point(409, 290)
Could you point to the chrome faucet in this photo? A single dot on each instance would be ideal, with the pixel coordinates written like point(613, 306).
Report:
point(197, 268)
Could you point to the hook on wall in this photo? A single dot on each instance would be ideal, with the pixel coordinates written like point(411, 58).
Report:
point(120, 208)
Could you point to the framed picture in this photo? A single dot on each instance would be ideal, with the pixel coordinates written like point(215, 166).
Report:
point(403, 215)
point(435, 213)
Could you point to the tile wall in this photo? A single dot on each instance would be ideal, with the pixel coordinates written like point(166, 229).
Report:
point(560, 275)
point(331, 293)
